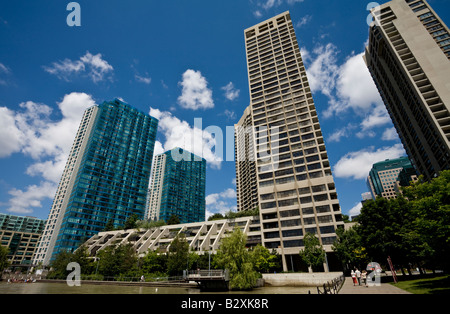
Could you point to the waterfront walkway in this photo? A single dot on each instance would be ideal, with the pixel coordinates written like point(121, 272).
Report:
point(384, 288)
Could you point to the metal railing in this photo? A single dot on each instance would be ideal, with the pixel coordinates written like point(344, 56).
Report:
point(332, 287)
point(206, 274)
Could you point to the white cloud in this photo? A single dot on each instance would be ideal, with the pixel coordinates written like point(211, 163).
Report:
point(195, 94)
point(4, 68)
point(377, 117)
point(143, 79)
point(348, 86)
point(47, 142)
point(342, 132)
point(23, 202)
point(231, 115)
point(303, 21)
point(222, 202)
point(92, 65)
point(323, 70)
point(4, 73)
point(159, 149)
point(268, 4)
point(390, 134)
point(11, 138)
point(357, 165)
point(355, 210)
point(47, 138)
point(257, 13)
point(179, 133)
point(231, 93)
point(355, 85)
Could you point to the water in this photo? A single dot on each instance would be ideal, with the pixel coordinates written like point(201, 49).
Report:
point(61, 288)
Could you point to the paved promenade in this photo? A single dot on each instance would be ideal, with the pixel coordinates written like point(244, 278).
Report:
point(384, 288)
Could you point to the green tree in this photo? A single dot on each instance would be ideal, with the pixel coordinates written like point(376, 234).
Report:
point(349, 250)
point(4, 263)
point(117, 260)
point(178, 255)
point(216, 216)
point(414, 228)
point(233, 255)
point(109, 225)
point(385, 229)
point(148, 224)
point(173, 220)
point(153, 262)
point(82, 257)
point(59, 263)
point(430, 228)
point(131, 221)
point(264, 261)
point(313, 254)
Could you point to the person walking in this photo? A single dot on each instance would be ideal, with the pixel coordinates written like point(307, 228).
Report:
point(364, 277)
point(358, 276)
point(353, 277)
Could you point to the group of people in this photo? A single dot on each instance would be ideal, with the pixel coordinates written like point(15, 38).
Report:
point(359, 277)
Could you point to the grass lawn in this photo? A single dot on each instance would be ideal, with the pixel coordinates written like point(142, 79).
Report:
point(434, 285)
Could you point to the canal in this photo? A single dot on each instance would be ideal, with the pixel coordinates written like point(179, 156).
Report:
point(61, 288)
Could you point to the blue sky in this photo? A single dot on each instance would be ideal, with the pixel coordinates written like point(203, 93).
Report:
point(178, 60)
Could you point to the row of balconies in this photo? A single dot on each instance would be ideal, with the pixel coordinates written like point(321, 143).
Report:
point(200, 238)
point(424, 86)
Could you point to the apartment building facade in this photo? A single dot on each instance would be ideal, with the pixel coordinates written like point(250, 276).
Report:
point(178, 187)
point(246, 184)
point(383, 179)
point(202, 237)
point(409, 58)
point(294, 182)
point(20, 234)
point(105, 178)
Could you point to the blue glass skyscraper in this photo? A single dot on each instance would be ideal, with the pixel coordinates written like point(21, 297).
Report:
point(178, 187)
point(106, 177)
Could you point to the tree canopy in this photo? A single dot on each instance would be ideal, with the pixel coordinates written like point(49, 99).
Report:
point(313, 253)
point(233, 255)
point(412, 229)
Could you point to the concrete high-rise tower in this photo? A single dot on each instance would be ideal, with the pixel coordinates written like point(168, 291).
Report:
point(246, 185)
point(105, 179)
point(295, 187)
point(409, 58)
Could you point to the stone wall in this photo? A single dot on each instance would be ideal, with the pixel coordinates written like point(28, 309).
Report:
point(299, 279)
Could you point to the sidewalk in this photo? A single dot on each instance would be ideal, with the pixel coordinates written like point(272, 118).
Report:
point(384, 288)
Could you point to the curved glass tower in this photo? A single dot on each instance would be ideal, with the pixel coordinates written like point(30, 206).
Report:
point(105, 179)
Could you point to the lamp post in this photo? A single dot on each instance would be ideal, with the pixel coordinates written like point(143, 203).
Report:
point(96, 269)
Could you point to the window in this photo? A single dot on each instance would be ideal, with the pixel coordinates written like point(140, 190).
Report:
point(325, 219)
point(321, 197)
point(291, 223)
point(268, 205)
point(292, 233)
point(269, 196)
point(293, 243)
point(286, 193)
point(289, 213)
point(328, 240)
point(327, 229)
point(290, 202)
